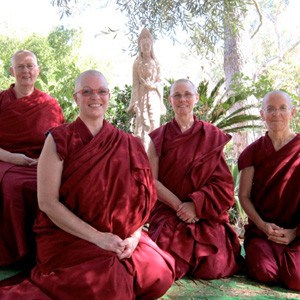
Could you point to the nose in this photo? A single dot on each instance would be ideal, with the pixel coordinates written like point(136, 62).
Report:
point(276, 111)
point(95, 94)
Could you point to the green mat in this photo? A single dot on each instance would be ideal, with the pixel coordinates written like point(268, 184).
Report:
point(6, 272)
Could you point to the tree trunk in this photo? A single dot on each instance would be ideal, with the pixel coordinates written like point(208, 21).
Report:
point(233, 64)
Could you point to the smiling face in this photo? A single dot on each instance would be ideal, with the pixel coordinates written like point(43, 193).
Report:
point(25, 69)
point(183, 98)
point(277, 112)
point(91, 95)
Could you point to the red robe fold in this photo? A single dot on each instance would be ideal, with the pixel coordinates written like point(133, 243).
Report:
point(23, 124)
point(275, 195)
point(192, 166)
point(107, 182)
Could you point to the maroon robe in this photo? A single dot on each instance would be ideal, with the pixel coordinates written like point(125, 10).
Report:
point(275, 195)
point(107, 182)
point(23, 124)
point(192, 166)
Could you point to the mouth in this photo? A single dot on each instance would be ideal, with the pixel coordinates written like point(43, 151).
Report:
point(95, 105)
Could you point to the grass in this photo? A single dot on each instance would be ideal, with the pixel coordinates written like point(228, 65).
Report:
point(236, 287)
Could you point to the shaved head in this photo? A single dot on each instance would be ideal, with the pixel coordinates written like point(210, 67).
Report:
point(86, 74)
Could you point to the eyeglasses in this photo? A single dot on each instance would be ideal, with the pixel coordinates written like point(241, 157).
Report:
point(187, 96)
point(272, 110)
point(88, 92)
point(23, 67)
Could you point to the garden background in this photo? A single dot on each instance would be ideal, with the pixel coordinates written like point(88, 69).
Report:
point(234, 53)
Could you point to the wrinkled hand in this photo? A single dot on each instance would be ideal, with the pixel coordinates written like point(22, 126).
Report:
point(22, 160)
point(111, 242)
point(283, 236)
point(130, 244)
point(270, 229)
point(187, 212)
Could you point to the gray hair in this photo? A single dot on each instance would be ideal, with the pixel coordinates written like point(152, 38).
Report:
point(184, 80)
point(278, 92)
point(23, 52)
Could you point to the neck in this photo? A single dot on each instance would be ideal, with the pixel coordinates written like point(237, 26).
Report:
point(185, 123)
point(93, 125)
point(280, 139)
point(23, 91)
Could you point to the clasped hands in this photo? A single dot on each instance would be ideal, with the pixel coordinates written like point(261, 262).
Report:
point(186, 211)
point(278, 234)
point(123, 248)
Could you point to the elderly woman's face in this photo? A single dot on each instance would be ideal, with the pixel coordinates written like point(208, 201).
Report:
point(146, 45)
point(183, 99)
point(25, 69)
point(277, 112)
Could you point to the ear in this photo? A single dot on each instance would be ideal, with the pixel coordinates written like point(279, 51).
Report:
point(75, 98)
point(12, 71)
point(38, 70)
point(293, 111)
point(262, 114)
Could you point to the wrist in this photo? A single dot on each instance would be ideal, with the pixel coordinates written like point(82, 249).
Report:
point(137, 234)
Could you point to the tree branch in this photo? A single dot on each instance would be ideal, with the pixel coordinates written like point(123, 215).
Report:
point(260, 18)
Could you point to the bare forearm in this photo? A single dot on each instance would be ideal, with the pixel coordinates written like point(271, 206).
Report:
point(16, 158)
point(167, 197)
point(5, 155)
point(251, 211)
point(61, 216)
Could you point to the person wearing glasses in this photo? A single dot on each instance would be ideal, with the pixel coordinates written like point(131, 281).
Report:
point(95, 193)
point(26, 113)
point(195, 191)
point(270, 195)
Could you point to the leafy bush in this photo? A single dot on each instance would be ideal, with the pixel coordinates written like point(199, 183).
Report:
point(116, 113)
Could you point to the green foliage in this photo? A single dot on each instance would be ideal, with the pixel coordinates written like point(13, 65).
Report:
point(215, 108)
point(57, 58)
point(116, 113)
point(203, 21)
point(237, 215)
point(170, 113)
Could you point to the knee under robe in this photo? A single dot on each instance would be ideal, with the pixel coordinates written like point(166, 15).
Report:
point(23, 124)
point(276, 197)
point(107, 182)
point(192, 166)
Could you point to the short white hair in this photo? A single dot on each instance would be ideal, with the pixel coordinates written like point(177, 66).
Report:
point(278, 92)
point(184, 80)
point(23, 52)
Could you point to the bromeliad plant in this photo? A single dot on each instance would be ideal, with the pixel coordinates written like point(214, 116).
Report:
point(230, 114)
point(237, 215)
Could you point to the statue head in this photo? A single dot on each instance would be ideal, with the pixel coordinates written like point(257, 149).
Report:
point(145, 43)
